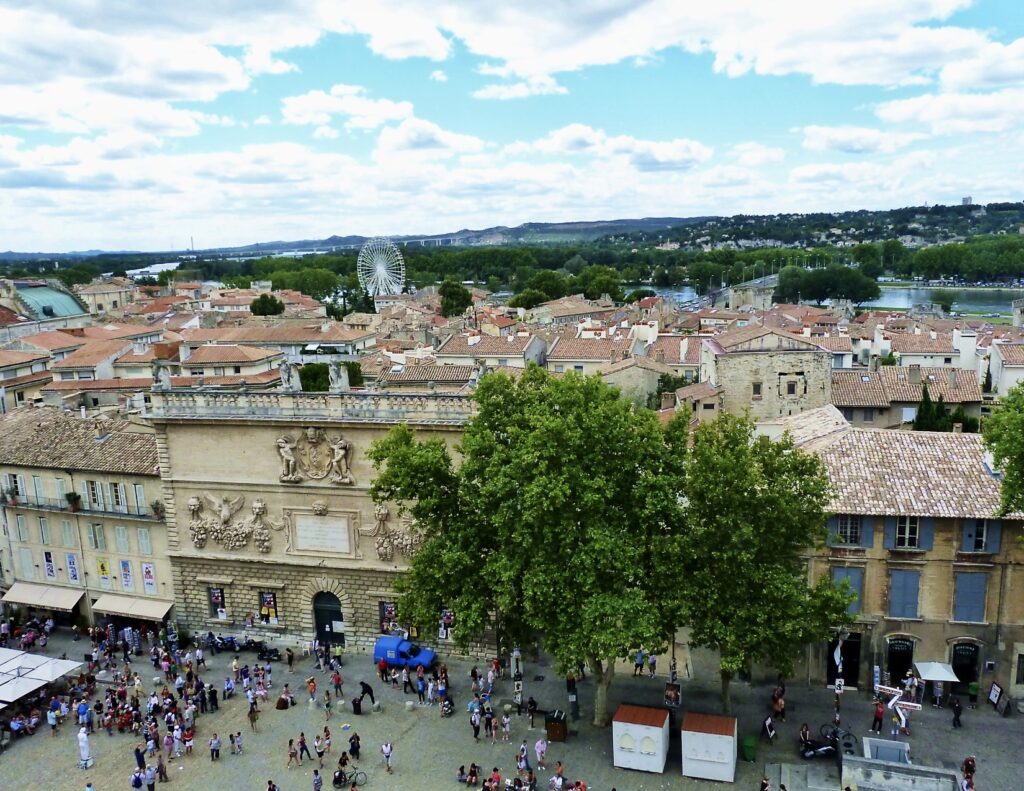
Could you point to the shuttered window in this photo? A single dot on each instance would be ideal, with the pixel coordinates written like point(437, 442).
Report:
point(903, 588)
point(969, 596)
point(981, 535)
point(855, 576)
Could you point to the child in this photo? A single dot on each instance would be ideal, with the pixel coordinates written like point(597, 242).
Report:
point(238, 742)
point(231, 740)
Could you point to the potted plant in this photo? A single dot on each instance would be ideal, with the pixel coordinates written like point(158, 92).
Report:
point(74, 501)
point(158, 508)
point(11, 495)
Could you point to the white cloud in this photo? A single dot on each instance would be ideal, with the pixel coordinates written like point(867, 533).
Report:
point(325, 133)
point(438, 75)
point(990, 66)
point(416, 136)
point(645, 155)
point(262, 120)
point(752, 154)
point(348, 101)
point(958, 113)
point(535, 86)
point(857, 139)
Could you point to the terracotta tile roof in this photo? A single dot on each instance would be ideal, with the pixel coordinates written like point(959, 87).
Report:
point(913, 473)
point(745, 337)
point(717, 724)
point(53, 340)
point(47, 437)
point(698, 391)
point(891, 384)
point(11, 358)
point(905, 343)
point(426, 373)
point(1012, 353)
point(291, 333)
point(102, 288)
point(487, 346)
point(9, 317)
point(132, 384)
point(92, 353)
point(589, 348)
point(678, 349)
point(32, 378)
point(834, 343)
point(573, 306)
point(225, 353)
point(647, 363)
point(130, 357)
point(110, 332)
point(640, 715)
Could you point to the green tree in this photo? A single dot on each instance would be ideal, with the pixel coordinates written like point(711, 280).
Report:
point(494, 284)
point(869, 259)
point(455, 298)
point(315, 378)
point(666, 384)
point(640, 293)
point(596, 281)
point(987, 384)
point(1004, 437)
point(604, 535)
point(755, 506)
point(527, 299)
point(548, 282)
point(924, 420)
point(266, 305)
point(943, 297)
point(889, 359)
point(791, 285)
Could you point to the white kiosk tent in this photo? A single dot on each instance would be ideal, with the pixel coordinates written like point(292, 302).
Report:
point(22, 673)
point(640, 738)
point(709, 746)
point(936, 671)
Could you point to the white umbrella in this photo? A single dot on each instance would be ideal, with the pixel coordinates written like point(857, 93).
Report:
point(54, 669)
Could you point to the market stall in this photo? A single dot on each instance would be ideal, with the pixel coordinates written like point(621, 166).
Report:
point(640, 738)
point(709, 746)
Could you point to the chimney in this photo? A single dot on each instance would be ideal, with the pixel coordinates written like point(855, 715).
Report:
point(914, 374)
point(951, 378)
point(615, 355)
point(659, 355)
point(473, 340)
point(668, 400)
point(958, 428)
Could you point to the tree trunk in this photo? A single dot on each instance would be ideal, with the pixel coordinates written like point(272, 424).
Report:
point(602, 680)
point(726, 678)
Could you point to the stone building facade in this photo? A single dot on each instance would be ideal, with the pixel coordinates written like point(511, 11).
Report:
point(271, 528)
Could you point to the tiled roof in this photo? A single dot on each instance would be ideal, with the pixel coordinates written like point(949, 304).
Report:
point(426, 373)
point(834, 343)
point(588, 348)
point(1012, 353)
point(906, 343)
point(912, 473)
point(110, 332)
point(46, 437)
point(647, 363)
point(9, 359)
point(891, 384)
point(284, 333)
point(698, 391)
point(103, 288)
point(573, 306)
point(487, 346)
point(53, 340)
point(91, 354)
point(224, 353)
point(130, 357)
point(673, 346)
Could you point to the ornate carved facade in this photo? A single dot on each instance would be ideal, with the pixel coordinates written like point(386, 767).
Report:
point(314, 457)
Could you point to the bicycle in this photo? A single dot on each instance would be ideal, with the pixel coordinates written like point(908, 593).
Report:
point(355, 776)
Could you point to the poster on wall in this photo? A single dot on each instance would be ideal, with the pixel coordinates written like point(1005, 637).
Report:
point(48, 566)
point(149, 578)
point(447, 622)
point(72, 562)
point(268, 607)
point(388, 617)
point(103, 568)
point(126, 575)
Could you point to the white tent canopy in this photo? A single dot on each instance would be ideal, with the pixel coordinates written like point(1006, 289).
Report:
point(14, 688)
point(936, 671)
point(53, 669)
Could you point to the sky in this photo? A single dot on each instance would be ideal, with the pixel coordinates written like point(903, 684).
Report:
point(127, 124)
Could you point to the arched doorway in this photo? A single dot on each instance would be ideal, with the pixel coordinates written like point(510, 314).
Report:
point(899, 659)
point(964, 660)
point(328, 619)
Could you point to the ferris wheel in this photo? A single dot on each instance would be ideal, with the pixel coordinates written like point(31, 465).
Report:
point(380, 267)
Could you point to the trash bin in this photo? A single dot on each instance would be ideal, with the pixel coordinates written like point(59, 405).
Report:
point(554, 724)
point(750, 748)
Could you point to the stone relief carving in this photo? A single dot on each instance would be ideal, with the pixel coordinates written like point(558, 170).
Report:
point(219, 527)
point(319, 508)
point(405, 540)
point(315, 457)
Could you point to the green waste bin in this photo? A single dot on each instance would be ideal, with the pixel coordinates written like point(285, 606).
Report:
point(750, 748)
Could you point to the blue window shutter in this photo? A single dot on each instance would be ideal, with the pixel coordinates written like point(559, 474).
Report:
point(855, 576)
point(969, 597)
point(890, 532)
point(832, 525)
point(903, 590)
point(927, 533)
point(867, 531)
point(994, 537)
point(967, 541)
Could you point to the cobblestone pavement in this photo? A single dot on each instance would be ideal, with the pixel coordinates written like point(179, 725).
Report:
point(428, 749)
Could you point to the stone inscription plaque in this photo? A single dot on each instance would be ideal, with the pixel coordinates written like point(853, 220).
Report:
point(322, 534)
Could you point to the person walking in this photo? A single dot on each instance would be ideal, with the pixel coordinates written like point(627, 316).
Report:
point(293, 755)
point(303, 747)
point(387, 750)
point(421, 690)
point(150, 778)
point(254, 714)
point(238, 742)
point(290, 657)
point(652, 664)
point(506, 727)
point(638, 663)
point(140, 755)
point(406, 681)
point(318, 748)
point(327, 704)
point(876, 722)
point(353, 746)
point(336, 683)
point(214, 747)
point(138, 779)
point(474, 723)
point(541, 749)
point(318, 781)
point(161, 769)
point(958, 709)
point(327, 739)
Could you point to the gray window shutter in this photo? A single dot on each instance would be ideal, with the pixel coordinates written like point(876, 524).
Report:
point(867, 531)
point(994, 536)
point(832, 525)
point(927, 533)
point(969, 597)
point(890, 532)
point(967, 541)
point(83, 488)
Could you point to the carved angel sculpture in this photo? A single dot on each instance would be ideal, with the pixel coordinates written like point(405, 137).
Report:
point(223, 507)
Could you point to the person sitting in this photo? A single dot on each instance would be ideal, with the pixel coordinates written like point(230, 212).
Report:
point(473, 776)
point(460, 776)
point(18, 726)
point(339, 779)
point(229, 688)
point(805, 734)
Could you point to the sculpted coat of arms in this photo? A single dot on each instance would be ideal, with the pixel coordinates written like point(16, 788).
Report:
point(316, 457)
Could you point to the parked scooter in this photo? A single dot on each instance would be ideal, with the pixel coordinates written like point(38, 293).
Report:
point(265, 652)
point(228, 643)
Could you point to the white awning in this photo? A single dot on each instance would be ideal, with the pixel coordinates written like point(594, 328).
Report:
point(43, 597)
point(133, 606)
point(935, 671)
point(54, 669)
point(7, 654)
point(14, 688)
point(21, 664)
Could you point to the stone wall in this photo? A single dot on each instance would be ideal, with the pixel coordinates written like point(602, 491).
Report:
point(810, 371)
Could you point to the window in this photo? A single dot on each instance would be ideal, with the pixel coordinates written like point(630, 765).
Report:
point(96, 495)
point(559, 369)
point(969, 597)
point(981, 535)
point(67, 533)
point(849, 529)
point(118, 495)
point(947, 360)
point(219, 371)
point(755, 390)
point(855, 576)
point(848, 413)
point(708, 406)
point(196, 371)
point(577, 368)
point(215, 596)
point(268, 607)
point(238, 369)
point(28, 568)
point(502, 362)
point(145, 543)
point(903, 587)
point(908, 530)
point(96, 536)
point(37, 488)
point(790, 388)
point(869, 414)
point(121, 539)
point(1020, 669)
point(85, 374)
point(44, 530)
point(16, 484)
point(22, 527)
point(61, 491)
point(140, 497)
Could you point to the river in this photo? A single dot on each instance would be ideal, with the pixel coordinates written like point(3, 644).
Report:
point(967, 300)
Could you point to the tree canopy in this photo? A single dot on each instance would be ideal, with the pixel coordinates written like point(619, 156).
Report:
point(455, 298)
point(564, 519)
point(266, 305)
point(1004, 437)
point(755, 506)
